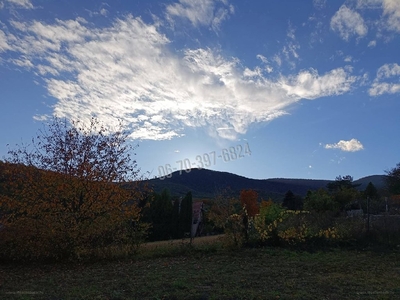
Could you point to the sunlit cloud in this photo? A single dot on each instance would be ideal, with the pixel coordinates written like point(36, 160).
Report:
point(352, 145)
point(127, 72)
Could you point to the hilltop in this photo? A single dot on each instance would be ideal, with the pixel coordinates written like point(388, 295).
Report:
point(208, 183)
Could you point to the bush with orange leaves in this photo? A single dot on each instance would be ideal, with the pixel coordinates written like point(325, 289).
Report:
point(63, 194)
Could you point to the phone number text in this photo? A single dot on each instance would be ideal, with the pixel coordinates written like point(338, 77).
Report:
point(204, 160)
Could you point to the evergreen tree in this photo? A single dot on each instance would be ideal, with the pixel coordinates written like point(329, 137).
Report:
point(372, 200)
point(185, 214)
point(292, 201)
point(161, 216)
point(371, 191)
point(175, 222)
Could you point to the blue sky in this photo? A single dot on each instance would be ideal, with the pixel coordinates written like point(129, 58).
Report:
point(311, 88)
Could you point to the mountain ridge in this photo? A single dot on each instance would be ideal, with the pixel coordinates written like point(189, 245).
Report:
point(207, 183)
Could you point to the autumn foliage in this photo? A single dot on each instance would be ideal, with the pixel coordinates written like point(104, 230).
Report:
point(63, 194)
point(248, 199)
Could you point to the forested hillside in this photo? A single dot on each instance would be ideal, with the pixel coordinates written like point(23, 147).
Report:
point(207, 183)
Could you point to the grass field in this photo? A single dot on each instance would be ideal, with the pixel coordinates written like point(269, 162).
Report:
point(205, 271)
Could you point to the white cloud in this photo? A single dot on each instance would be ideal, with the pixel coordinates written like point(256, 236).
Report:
point(4, 43)
point(310, 85)
point(380, 88)
point(391, 9)
point(348, 23)
point(201, 12)
point(41, 117)
point(262, 58)
point(104, 12)
point(291, 32)
point(319, 4)
point(277, 60)
point(348, 146)
point(368, 4)
point(127, 72)
point(269, 69)
point(387, 71)
point(291, 50)
point(252, 73)
point(289, 53)
point(390, 19)
point(21, 3)
point(372, 44)
point(348, 59)
point(22, 62)
point(265, 61)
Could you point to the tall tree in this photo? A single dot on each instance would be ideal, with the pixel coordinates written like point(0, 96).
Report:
point(186, 214)
point(160, 212)
point(372, 202)
point(393, 180)
point(64, 191)
point(175, 223)
point(249, 200)
point(343, 191)
point(371, 191)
